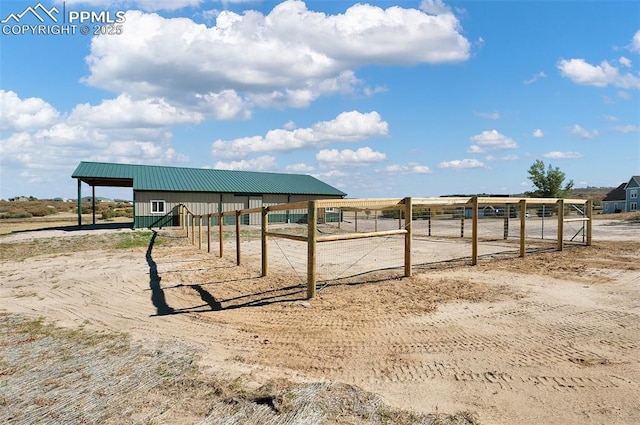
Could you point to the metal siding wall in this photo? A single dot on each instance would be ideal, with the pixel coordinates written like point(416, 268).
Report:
point(197, 202)
point(256, 218)
point(268, 200)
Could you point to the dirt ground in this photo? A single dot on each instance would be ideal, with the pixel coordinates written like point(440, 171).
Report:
point(551, 338)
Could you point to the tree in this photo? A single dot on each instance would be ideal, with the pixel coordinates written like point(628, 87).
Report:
point(548, 183)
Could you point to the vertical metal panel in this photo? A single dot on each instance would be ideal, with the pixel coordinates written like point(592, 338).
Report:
point(255, 202)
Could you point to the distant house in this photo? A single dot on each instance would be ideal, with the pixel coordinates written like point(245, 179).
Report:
point(632, 188)
point(623, 198)
point(615, 201)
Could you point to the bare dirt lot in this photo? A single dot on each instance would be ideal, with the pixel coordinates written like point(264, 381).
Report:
point(173, 334)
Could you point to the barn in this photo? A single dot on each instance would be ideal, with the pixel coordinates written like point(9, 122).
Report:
point(158, 190)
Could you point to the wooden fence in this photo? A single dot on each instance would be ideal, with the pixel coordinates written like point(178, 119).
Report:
point(404, 210)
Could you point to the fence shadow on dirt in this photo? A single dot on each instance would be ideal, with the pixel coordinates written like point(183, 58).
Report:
point(157, 293)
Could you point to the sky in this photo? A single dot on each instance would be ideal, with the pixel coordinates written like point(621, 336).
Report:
point(378, 99)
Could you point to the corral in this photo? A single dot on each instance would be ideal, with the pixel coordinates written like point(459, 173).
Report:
point(396, 233)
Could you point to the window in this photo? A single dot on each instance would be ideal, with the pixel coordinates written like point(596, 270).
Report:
point(157, 207)
point(634, 194)
point(634, 206)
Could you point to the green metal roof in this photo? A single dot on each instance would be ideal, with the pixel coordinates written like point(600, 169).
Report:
point(178, 179)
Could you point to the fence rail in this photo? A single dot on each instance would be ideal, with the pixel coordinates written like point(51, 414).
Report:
point(333, 220)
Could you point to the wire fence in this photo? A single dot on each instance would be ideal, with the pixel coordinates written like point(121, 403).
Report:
point(327, 240)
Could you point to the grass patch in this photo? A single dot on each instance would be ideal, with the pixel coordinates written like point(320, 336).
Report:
point(21, 250)
point(136, 240)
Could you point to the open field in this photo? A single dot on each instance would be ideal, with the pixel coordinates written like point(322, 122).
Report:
point(153, 330)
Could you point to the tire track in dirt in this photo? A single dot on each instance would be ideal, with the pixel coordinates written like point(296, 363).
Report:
point(396, 349)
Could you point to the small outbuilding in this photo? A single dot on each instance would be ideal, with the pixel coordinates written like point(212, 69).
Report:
point(158, 190)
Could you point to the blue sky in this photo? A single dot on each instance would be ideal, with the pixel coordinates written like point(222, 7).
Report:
point(379, 99)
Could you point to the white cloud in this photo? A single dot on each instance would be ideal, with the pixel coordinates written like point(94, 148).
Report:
point(434, 7)
point(562, 155)
point(24, 114)
point(488, 115)
point(491, 140)
point(350, 126)
point(48, 144)
point(535, 78)
point(625, 62)
point(330, 174)
point(461, 164)
point(629, 128)
point(362, 156)
point(299, 168)
point(611, 118)
point(584, 133)
point(262, 163)
point(150, 5)
point(410, 168)
point(635, 42)
point(125, 112)
point(603, 75)
point(254, 56)
point(538, 133)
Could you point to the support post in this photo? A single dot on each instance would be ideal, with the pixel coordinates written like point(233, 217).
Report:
point(375, 215)
point(474, 231)
point(238, 237)
point(93, 205)
point(523, 226)
point(311, 249)
point(186, 221)
point(408, 237)
point(221, 233)
point(589, 208)
point(199, 232)
point(79, 204)
point(506, 221)
point(265, 245)
point(208, 232)
point(429, 213)
point(193, 229)
point(462, 224)
point(560, 207)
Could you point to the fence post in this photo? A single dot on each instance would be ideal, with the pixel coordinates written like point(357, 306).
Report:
point(356, 221)
point(265, 252)
point(238, 237)
point(523, 226)
point(474, 231)
point(506, 213)
point(560, 207)
point(589, 208)
point(186, 221)
point(311, 249)
point(199, 232)
point(193, 229)
point(220, 233)
point(462, 224)
point(208, 232)
point(408, 211)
